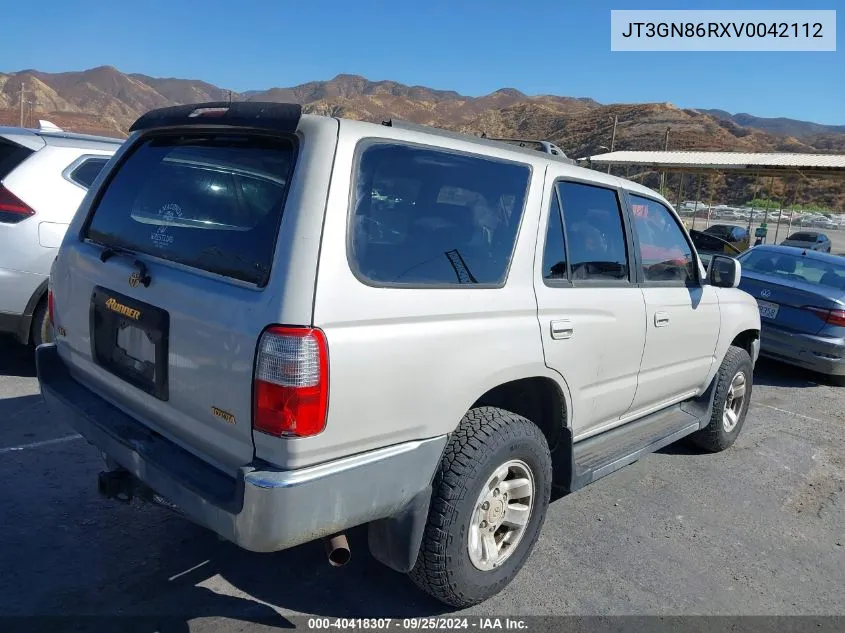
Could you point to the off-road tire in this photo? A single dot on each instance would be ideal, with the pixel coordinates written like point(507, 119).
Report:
point(41, 328)
point(714, 437)
point(486, 438)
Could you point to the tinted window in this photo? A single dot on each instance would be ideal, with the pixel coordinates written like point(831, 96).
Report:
point(665, 253)
point(212, 202)
point(803, 237)
point(87, 171)
point(428, 217)
point(554, 253)
point(594, 232)
point(722, 231)
point(11, 155)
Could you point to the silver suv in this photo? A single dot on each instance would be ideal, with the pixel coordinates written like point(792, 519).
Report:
point(287, 325)
point(44, 174)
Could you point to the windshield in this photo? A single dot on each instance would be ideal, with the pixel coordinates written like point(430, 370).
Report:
point(795, 268)
point(209, 201)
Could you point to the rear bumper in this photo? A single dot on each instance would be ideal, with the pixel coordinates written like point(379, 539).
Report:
point(816, 353)
point(262, 509)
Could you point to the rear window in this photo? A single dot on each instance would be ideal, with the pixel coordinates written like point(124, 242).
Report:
point(803, 237)
point(428, 217)
point(212, 202)
point(795, 268)
point(11, 155)
point(721, 231)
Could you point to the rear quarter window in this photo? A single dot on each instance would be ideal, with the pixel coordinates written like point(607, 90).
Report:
point(429, 217)
point(213, 202)
point(11, 155)
point(86, 172)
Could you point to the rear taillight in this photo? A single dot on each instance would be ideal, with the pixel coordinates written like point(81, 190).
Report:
point(833, 317)
point(12, 208)
point(50, 306)
point(291, 382)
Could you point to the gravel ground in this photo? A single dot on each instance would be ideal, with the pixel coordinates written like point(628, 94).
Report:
point(759, 529)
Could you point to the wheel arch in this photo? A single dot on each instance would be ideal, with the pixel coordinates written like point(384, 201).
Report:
point(540, 399)
point(25, 328)
point(749, 340)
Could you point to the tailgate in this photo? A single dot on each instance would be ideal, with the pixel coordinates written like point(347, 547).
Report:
point(160, 307)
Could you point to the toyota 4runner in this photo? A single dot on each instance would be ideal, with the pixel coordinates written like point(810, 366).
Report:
point(286, 325)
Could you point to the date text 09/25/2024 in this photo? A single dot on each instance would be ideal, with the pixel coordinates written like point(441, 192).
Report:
point(430, 624)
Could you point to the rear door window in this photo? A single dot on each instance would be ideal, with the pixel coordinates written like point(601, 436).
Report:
point(211, 201)
point(594, 232)
point(427, 217)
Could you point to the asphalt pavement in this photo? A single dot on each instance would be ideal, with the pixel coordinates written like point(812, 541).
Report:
point(758, 529)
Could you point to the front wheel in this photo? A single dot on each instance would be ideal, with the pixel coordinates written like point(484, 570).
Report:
point(730, 402)
point(489, 501)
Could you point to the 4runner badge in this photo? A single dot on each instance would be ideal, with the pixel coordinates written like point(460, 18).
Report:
point(114, 306)
point(223, 415)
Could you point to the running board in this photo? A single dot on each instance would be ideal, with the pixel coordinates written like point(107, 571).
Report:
point(603, 454)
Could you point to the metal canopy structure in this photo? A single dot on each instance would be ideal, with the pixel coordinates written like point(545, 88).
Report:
point(752, 164)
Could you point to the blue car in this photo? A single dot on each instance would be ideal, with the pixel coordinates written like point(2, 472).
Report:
point(801, 296)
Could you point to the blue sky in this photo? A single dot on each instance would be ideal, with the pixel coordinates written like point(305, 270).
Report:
point(537, 46)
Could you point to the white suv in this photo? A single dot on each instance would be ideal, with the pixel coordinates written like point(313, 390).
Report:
point(287, 325)
point(44, 175)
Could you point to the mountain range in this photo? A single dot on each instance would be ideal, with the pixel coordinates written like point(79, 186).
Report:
point(104, 100)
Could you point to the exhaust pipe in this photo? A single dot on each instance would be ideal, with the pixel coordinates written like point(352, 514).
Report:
point(337, 550)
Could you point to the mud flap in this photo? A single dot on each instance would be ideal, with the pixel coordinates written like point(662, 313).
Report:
point(395, 541)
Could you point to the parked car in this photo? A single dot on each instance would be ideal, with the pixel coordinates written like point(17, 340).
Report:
point(44, 174)
point(287, 325)
point(708, 245)
point(809, 240)
point(737, 236)
point(801, 295)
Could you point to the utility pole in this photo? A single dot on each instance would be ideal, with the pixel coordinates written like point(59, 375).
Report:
point(613, 138)
point(665, 149)
point(230, 96)
point(23, 92)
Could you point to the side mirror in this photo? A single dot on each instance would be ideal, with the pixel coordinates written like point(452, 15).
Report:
point(724, 272)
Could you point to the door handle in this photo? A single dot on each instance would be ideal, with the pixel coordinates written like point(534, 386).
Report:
point(562, 329)
point(661, 319)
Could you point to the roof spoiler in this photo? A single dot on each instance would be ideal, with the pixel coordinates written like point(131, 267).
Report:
point(280, 117)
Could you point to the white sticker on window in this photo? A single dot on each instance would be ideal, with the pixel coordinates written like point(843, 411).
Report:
point(160, 237)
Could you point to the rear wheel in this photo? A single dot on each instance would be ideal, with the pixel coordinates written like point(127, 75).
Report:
point(730, 402)
point(41, 328)
point(489, 501)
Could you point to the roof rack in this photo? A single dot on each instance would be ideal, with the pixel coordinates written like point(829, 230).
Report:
point(526, 145)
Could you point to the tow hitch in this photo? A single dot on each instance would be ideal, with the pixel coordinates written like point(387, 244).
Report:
point(116, 484)
point(120, 484)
